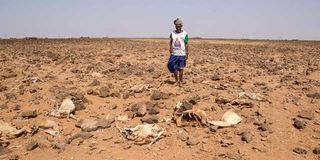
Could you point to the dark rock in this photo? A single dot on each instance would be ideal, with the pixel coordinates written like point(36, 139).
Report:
point(79, 105)
point(89, 125)
point(9, 75)
point(113, 106)
point(10, 96)
point(3, 106)
point(198, 80)
point(185, 106)
point(29, 113)
point(154, 110)
point(213, 128)
point(90, 91)
point(234, 156)
point(13, 157)
point(264, 127)
point(299, 124)
point(156, 95)
point(104, 123)
point(215, 77)
point(31, 145)
point(182, 135)
point(151, 119)
point(246, 136)
point(4, 150)
point(300, 150)
point(306, 114)
point(83, 135)
point(125, 95)
point(314, 95)
point(95, 82)
point(192, 141)
point(221, 100)
point(3, 88)
point(194, 99)
point(139, 109)
point(58, 145)
point(316, 150)
point(16, 107)
point(104, 92)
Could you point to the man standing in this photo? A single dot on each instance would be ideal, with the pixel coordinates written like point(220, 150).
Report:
point(178, 51)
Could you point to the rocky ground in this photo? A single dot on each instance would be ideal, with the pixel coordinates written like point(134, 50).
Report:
point(115, 99)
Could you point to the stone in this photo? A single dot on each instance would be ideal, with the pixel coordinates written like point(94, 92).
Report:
point(213, 128)
point(3, 88)
point(215, 77)
point(182, 135)
point(264, 127)
point(305, 114)
point(4, 150)
point(316, 150)
point(89, 125)
point(13, 157)
point(29, 113)
point(9, 131)
point(110, 118)
point(264, 134)
point(104, 92)
point(125, 95)
point(194, 99)
point(49, 124)
point(82, 135)
point(113, 107)
point(234, 156)
point(9, 75)
point(156, 95)
point(95, 82)
point(139, 109)
point(4, 106)
point(10, 96)
point(299, 124)
point(151, 119)
point(192, 141)
point(300, 150)
point(154, 110)
point(31, 145)
point(197, 80)
point(79, 105)
point(246, 136)
point(314, 95)
point(221, 100)
point(16, 107)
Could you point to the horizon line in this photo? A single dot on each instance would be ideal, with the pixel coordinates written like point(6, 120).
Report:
point(120, 37)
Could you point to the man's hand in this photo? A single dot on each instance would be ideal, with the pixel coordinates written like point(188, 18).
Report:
point(187, 56)
point(171, 50)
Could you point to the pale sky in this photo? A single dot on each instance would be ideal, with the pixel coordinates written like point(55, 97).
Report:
point(254, 19)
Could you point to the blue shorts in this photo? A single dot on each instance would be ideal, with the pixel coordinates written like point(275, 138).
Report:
point(176, 63)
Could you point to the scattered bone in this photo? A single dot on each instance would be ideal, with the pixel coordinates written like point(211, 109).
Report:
point(66, 109)
point(228, 119)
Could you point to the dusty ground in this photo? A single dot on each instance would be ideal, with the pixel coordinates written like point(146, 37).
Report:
point(37, 75)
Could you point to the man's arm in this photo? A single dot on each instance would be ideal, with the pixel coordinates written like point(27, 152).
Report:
point(187, 51)
point(186, 41)
point(170, 45)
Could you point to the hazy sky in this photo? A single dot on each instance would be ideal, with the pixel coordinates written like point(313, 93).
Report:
point(266, 19)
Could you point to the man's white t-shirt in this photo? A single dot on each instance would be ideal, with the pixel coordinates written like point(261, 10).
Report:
point(179, 41)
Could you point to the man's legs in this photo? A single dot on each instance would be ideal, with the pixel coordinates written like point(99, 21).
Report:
point(181, 75)
point(176, 76)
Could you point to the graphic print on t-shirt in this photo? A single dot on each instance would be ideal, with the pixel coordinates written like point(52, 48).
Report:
point(177, 43)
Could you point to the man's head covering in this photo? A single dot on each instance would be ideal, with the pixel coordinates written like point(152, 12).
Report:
point(178, 21)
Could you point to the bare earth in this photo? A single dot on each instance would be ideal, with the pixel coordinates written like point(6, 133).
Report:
point(280, 110)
